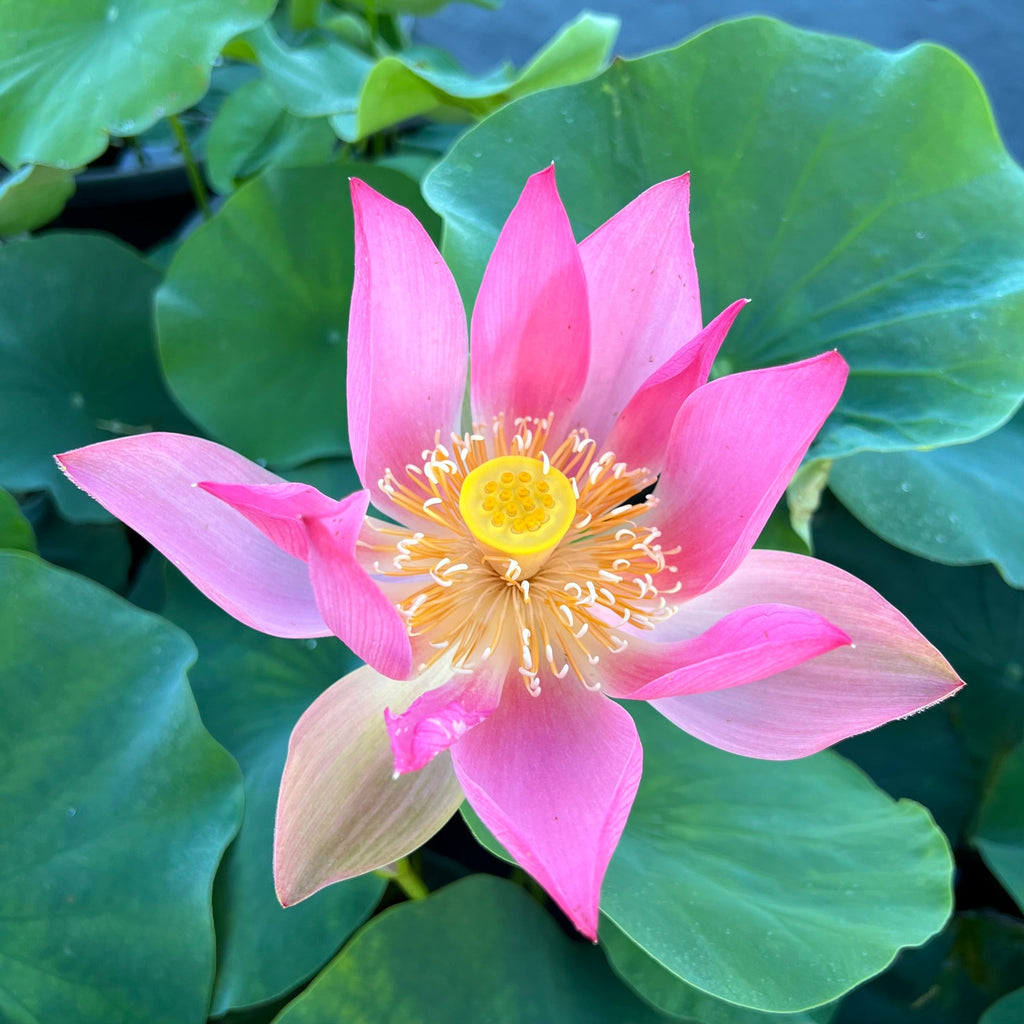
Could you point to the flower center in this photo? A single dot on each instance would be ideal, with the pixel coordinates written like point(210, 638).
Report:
point(528, 551)
point(518, 506)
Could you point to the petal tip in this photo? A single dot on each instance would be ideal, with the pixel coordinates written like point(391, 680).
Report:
point(395, 659)
point(285, 892)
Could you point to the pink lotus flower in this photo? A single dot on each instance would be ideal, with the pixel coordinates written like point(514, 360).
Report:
point(525, 582)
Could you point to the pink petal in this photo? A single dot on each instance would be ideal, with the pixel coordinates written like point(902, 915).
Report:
point(748, 644)
point(351, 603)
point(531, 328)
point(643, 295)
point(276, 510)
point(340, 812)
point(440, 717)
point(641, 434)
point(149, 482)
point(324, 532)
point(733, 449)
point(407, 342)
point(553, 777)
point(889, 671)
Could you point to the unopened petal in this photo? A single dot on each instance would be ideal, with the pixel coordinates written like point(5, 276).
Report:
point(340, 811)
point(734, 446)
point(407, 342)
point(747, 644)
point(531, 326)
point(149, 481)
point(553, 777)
point(889, 671)
point(644, 299)
point(641, 434)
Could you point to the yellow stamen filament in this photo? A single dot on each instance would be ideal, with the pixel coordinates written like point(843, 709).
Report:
point(554, 595)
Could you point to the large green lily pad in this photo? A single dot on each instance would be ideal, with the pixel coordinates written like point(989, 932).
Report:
point(426, 81)
point(792, 881)
point(861, 199)
point(76, 71)
point(1007, 1010)
point(665, 990)
point(77, 359)
point(480, 949)
point(977, 959)
point(100, 551)
point(251, 689)
point(32, 196)
point(322, 76)
point(958, 505)
point(253, 315)
point(977, 621)
point(117, 806)
point(253, 131)
point(15, 530)
point(326, 76)
point(779, 885)
point(999, 831)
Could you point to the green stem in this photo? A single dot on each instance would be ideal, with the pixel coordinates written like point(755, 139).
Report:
point(391, 32)
point(195, 177)
point(372, 20)
point(404, 876)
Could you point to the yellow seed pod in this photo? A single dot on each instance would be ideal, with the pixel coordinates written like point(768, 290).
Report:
point(536, 508)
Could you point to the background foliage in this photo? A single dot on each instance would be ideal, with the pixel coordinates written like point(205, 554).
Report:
point(863, 200)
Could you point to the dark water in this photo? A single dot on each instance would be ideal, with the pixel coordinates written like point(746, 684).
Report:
point(988, 34)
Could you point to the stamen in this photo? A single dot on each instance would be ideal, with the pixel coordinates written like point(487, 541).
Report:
point(536, 603)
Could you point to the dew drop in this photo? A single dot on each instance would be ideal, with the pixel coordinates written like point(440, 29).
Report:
point(310, 644)
point(112, 13)
point(77, 400)
point(334, 336)
point(72, 811)
point(905, 487)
